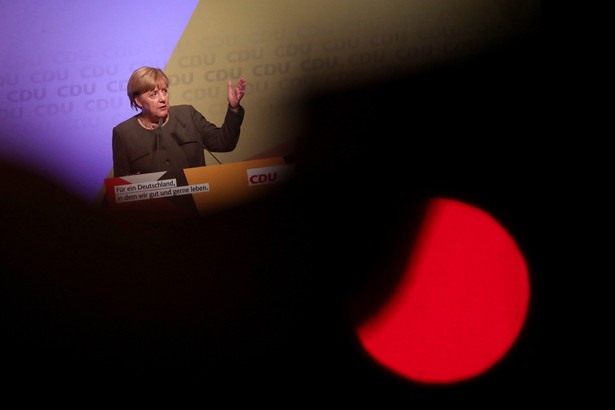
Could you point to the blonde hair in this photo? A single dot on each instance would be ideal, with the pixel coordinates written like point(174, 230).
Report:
point(142, 80)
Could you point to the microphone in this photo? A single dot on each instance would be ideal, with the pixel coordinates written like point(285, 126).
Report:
point(160, 121)
point(156, 158)
point(189, 132)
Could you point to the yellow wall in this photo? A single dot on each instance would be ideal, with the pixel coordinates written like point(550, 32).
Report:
point(285, 48)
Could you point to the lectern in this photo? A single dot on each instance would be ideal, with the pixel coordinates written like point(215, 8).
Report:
point(199, 190)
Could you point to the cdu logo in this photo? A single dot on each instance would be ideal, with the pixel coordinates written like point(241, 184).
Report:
point(269, 175)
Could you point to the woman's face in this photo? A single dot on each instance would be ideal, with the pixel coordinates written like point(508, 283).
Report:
point(154, 104)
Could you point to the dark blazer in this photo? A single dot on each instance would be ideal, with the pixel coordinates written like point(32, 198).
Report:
point(179, 144)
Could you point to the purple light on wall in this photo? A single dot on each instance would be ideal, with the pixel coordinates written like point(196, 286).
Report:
point(63, 73)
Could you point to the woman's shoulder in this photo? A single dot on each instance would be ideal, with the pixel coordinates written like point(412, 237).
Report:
point(185, 113)
point(127, 124)
point(182, 109)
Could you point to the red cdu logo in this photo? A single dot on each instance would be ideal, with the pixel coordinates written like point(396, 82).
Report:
point(269, 175)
